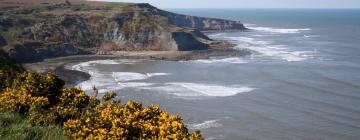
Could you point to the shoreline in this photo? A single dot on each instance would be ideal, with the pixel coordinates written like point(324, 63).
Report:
point(72, 77)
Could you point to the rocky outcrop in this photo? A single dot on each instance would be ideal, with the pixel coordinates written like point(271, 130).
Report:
point(203, 24)
point(187, 42)
point(199, 23)
point(35, 51)
point(71, 29)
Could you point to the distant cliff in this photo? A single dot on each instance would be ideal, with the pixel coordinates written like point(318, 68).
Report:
point(43, 30)
point(199, 23)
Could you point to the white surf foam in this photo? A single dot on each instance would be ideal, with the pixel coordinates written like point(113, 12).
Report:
point(81, 66)
point(249, 25)
point(275, 30)
point(214, 90)
point(112, 81)
point(196, 89)
point(232, 60)
point(157, 74)
point(101, 80)
point(267, 48)
point(128, 76)
point(205, 125)
point(108, 81)
point(135, 85)
point(311, 36)
point(133, 76)
point(98, 79)
point(105, 81)
point(108, 62)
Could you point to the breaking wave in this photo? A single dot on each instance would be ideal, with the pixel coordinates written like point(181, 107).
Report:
point(113, 81)
point(275, 30)
point(232, 60)
point(200, 89)
point(267, 48)
point(205, 125)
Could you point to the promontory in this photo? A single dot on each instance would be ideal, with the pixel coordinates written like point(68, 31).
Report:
point(33, 30)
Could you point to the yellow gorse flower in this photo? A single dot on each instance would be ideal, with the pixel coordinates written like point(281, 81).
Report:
point(44, 100)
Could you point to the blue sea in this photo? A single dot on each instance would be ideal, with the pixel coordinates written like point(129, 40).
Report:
point(302, 80)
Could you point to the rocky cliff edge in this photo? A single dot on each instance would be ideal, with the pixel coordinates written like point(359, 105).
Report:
point(33, 32)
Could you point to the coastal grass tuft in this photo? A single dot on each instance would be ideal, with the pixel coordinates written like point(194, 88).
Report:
point(14, 126)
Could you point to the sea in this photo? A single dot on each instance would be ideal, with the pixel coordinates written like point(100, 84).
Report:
point(302, 81)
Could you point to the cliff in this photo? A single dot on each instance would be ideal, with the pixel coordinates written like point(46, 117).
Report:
point(34, 30)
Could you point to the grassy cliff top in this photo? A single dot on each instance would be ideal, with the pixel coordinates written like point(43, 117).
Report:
point(7, 3)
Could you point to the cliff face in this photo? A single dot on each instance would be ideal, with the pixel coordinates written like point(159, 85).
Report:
point(199, 23)
point(59, 29)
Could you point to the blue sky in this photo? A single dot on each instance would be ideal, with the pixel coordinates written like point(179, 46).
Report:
point(249, 3)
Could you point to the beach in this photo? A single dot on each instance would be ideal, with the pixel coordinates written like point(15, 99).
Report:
point(72, 77)
point(298, 81)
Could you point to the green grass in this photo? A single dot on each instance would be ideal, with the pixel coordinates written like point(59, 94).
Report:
point(15, 127)
point(118, 5)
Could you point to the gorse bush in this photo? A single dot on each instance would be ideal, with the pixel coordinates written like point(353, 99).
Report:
point(73, 102)
point(43, 101)
point(32, 92)
point(8, 71)
point(111, 120)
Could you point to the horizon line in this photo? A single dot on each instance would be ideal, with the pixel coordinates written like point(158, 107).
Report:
point(260, 8)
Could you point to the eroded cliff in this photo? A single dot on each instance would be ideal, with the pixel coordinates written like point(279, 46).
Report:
point(46, 30)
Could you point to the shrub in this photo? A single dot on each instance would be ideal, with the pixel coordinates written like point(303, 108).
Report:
point(112, 120)
point(108, 96)
point(14, 126)
point(43, 101)
point(31, 92)
point(72, 103)
point(8, 71)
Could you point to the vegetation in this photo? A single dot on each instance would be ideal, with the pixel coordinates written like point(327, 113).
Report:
point(118, 5)
point(8, 71)
point(15, 127)
point(36, 106)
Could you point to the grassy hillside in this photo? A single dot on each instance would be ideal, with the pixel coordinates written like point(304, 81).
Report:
point(37, 106)
point(15, 127)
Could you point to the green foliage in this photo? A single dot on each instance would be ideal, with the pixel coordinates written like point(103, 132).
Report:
point(15, 127)
point(8, 71)
point(31, 92)
point(73, 102)
point(41, 103)
point(111, 120)
point(118, 5)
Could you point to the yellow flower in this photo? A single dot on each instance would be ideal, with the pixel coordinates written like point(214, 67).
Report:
point(88, 120)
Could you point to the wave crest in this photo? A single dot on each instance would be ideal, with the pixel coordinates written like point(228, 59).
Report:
point(276, 30)
point(205, 125)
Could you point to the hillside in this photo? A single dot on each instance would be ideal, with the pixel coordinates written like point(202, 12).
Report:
point(32, 30)
point(37, 106)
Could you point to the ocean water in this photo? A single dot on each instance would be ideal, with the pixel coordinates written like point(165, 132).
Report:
point(301, 82)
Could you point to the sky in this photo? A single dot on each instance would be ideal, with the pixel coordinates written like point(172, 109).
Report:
point(248, 3)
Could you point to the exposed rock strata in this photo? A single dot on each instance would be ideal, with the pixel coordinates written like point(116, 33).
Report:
point(53, 30)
